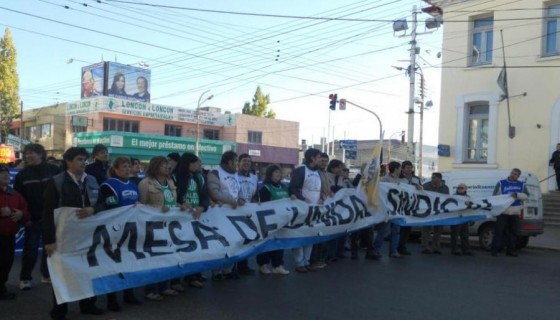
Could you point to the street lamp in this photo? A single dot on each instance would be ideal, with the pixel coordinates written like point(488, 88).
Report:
point(401, 133)
point(200, 101)
point(428, 105)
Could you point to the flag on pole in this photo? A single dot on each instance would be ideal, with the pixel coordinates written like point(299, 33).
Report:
point(371, 175)
point(502, 83)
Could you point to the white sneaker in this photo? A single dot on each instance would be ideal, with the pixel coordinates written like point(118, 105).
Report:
point(280, 270)
point(25, 285)
point(264, 269)
point(46, 280)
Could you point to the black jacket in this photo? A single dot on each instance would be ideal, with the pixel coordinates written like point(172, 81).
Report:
point(70, 196)
point(98, 169)
point(555, 160)
point(31, 182)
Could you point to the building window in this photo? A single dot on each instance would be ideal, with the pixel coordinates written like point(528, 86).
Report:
point(255, 137)
point(477, 133)
point(46, 130)
point(482, 39)
point(551, 30)
point(172, 130)
point(40, 131)
point(33, 133)
point(79, 129)
point(120, 125)
point(211, 134)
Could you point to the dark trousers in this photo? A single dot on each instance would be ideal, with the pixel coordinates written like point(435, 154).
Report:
point(460, 230)
point(242, 265)
point(62, 309)
point(7, 252)
point(404, 236)
point(275, 258)
point(318, 253)
point(505, 232)
point(557, 172)
point(365, 235)
point(32, 239)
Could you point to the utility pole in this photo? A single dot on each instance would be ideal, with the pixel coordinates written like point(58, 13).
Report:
point(411, 102)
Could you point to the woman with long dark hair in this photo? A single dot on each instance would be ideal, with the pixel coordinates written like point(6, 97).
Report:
point(118, 86)
point(192, 197)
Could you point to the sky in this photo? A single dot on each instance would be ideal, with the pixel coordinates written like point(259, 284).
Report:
point(297, 51)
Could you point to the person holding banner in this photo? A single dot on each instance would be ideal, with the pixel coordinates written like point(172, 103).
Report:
point(273, 189)
point(13, 212)
point(306, 186)
point(408, 177)
point(75, 189)
point(507, 223)
point(461, 230)
point(119, 191)
point(336, 181)
point(433, 245)
point(192, 196)
point(223, 188)
point(388, 227)
point(158, 190)
point(248, 183)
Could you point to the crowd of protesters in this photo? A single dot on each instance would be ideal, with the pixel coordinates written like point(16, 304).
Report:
point(178, 181)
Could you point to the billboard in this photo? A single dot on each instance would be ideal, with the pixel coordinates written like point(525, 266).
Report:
point(93, 80)
point(128, 82)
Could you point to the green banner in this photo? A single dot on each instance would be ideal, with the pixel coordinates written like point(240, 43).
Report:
point(128, 140)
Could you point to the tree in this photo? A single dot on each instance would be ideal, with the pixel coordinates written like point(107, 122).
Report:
point(259, 106)
point(9, 84)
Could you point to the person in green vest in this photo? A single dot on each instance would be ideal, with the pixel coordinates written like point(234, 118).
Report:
point(271, 190)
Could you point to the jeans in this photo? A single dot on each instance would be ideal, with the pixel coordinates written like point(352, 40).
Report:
point(384, 229)
point(302, 256)
point(32, 239)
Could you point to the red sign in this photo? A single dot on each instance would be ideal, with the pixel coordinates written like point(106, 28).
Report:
point(7, 154)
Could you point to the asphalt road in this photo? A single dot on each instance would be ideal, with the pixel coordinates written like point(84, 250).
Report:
point(415, 287)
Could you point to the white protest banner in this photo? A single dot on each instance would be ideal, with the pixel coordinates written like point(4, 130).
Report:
point(405, 205)
point(134, 246)
point(137, 245)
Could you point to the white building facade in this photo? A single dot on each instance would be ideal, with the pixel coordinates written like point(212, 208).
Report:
point(477, 131)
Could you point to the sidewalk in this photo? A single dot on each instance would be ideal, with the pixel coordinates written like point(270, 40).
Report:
point(549, 240)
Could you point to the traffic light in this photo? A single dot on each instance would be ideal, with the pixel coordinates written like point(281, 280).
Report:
point(333, 98)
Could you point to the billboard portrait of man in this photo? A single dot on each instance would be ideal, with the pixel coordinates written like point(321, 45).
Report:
point(93, 80)
point(142, 85)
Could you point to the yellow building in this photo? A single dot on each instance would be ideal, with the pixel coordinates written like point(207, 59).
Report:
point(477, 129)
